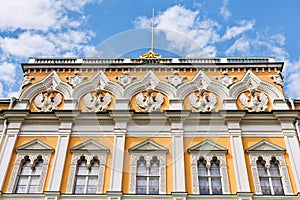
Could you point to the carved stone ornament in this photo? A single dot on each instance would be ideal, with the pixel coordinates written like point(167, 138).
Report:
point(26, 79)
point(76, 79)
point(149, 101)
point(176, 80)
point(125, 79)
point(47, 101)
point(203, 102)
point(225, 79)
point(254, 102)
point(278, 79)
point(96, 101)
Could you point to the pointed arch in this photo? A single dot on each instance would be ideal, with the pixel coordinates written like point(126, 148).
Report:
point(150, 78)
point(51, 80)
point(251, 79)
point(202, 78)
point(99, 78)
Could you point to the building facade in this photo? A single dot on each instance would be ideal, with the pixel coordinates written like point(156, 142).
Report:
point(150, 128)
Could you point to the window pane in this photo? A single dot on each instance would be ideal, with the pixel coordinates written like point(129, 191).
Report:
point(262, 171)
point(202, 170)
point(35, 180)
point(80, 180)
point(141, 168)
point(154, 185)
point(93, 181)
point(141, 185)
point(277, 186)
point(26, 169)
point(216, 185)
point(79, 190)
point(33, 189)
point(23, 180)
point(81, 168)
point(154, 168)
point(274, 170)
point(203, 185)
point(21, 189)
point(215, 169)
point(91, 190)
point(265, 185)
point(95, 168)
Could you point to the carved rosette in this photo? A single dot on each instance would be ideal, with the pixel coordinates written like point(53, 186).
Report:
point(97, 101)
point(176, 79)
point(278, 79)
point(76, 79)
point(125, 79)
point(32, 156)
point(47, 101)
point(225, 79)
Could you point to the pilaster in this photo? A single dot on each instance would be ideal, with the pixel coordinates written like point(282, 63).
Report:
point(233, 121)
point(121, 117)
point(15, 120)
point(177, 119)
point(66, 123)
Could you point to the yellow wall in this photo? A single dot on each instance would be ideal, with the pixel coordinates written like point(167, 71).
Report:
point(106, 141)
point(130, 142)
point(248, 142)
point(51, 141)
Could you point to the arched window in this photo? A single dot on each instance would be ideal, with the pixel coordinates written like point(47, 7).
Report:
point(147, 180)
point(209, 177)
point(87, 176)
point(29, 175)
point(269, 177)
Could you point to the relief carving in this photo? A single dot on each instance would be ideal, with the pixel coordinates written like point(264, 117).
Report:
point(96, 101)
point(47, 101)
point(254, 102)
point(27, 79)
point(76, 79)
point(204, 101)
point(149, 102)
point(225, 79)
point(125, 79)
point(176, 79)
point(278, 79)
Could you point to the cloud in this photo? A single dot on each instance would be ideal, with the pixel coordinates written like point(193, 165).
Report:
point(234, 31)
point(241, 45)
point(224, 12)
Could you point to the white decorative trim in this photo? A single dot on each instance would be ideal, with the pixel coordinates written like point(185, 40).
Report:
point(225, 79)
point(76, 79)
point(208, 150)
point(32, 150)
point(27, 79)
point(148, 149)
point(278, 79)
point(176, 79)
point(90, 150)
point(267, 151)
point(125, 79)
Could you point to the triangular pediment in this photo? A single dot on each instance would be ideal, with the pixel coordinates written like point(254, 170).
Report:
point(35, 145)
point(207, 145)
point(147, 146)
point(90, 145)
point(265, 146)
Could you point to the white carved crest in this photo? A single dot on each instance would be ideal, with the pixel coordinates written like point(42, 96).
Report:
point(125, 79)
point(150, 101)
point(176, 80)
point(48, 101)
point(254, 102)
point(278, 79)
point(203, 102)
point(27, 79)
point(225, 79)
point(76, 79)
point(96, 101)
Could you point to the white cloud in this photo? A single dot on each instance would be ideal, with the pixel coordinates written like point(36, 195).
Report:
point(7, 71)
point(224, 11)
point(234, 31)
point(241, 45)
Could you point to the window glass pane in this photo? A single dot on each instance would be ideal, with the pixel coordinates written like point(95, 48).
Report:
point(274, 170)
point(93, 181)
point(265, 185)
point(141, 168)
point(141, 185)
point(262, 171)
point(215, 169)
point(154, 168)
point(95, 168)
point(277, 186)
point(26, 169)
point(35, 180)
point(202, 170)
point(38, 168)
point(79, 190)
point(203, 185)
point(153, 185)
point(33, 189)
point(216, 185)
point(91, 190)
point(80, 180)
point(82, 169)
point(23, 180)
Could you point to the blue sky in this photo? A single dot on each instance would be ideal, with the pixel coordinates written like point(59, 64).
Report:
point(114, 28)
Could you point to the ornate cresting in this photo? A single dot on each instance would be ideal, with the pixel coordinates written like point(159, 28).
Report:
point(76, 79)
point(225, 79)
point(149, 102)
point(278, 79)
point(204, 101)
point(47, 101)
point(27, 79)
point(255, 101)
point(176, 79)
point(97, 101)
point(125, 79)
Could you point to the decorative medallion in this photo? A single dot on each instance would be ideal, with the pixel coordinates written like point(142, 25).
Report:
point(26, 79)
point(125, 79)
point(96, 101)
point(47, 101)
point(278, 79)
point(149, 102)
point(76, 79)
point(176, 80)
point(254, 102)
point(225, 79)
point(204, 101)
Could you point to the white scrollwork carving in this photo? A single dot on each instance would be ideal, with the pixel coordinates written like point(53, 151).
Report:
point(176, 80)
point(203, 102)
point(225, 79)
point(27, 79)
point(76, 79)
point(125, 79)
point(47, 101)
point(149, 102)
point(96, 102)
point(254, 102)
point(278, 79)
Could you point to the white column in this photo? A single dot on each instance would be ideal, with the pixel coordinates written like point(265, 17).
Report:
point(64, 132)
point(121, 118)
point(291, 142)
point(233, 121)
point(177, 131)
point(15, 121)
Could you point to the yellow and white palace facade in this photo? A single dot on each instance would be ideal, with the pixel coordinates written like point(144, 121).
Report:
point(150, 128)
